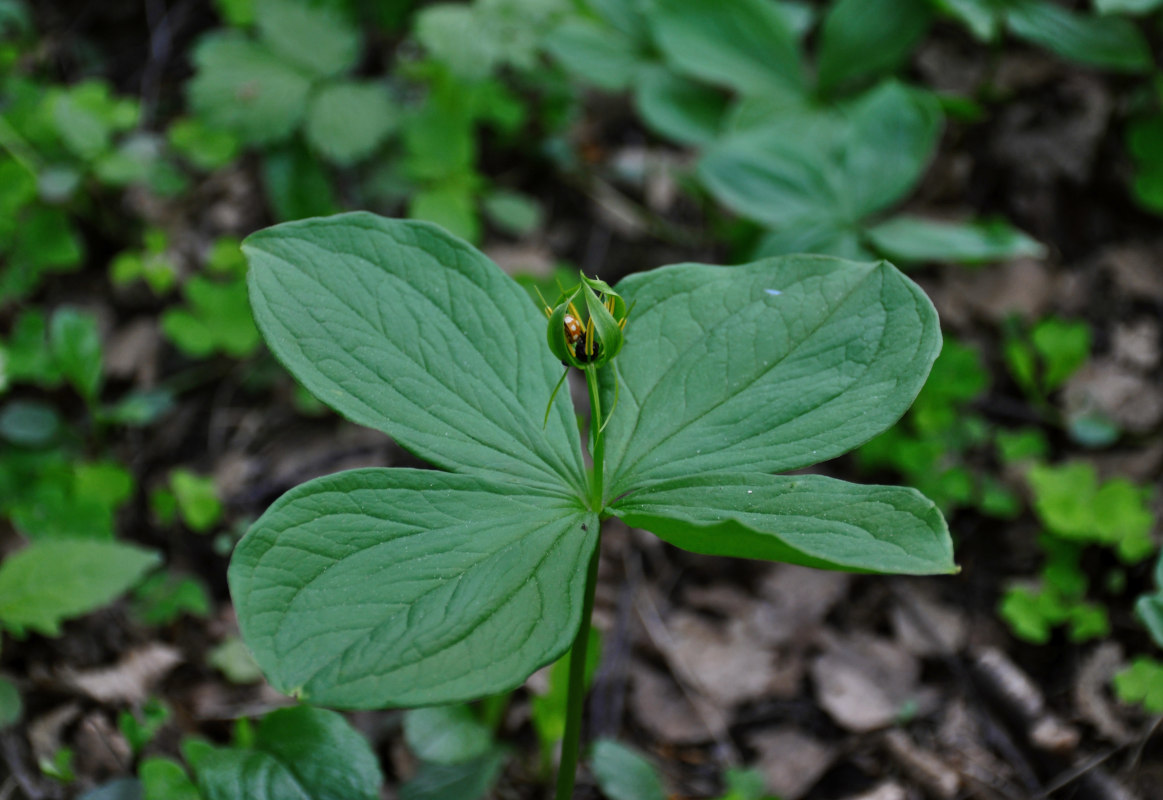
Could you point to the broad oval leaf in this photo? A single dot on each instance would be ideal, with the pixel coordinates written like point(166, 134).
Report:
point(399, 587)
point(916, 239)
point(764, 367)
point(51, 581)
point(302, 753)
point(801, 519)
point(1108, 42)
point(400, 326)
point(864, 39)
point(745, 45)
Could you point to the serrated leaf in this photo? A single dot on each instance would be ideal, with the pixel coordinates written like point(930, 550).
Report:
point(916, 239)
point(803, 519)
point(744, 45)
point(313, 37)
point(763, 367)
point(454, 368)
point(347, 121)
point(242, 86)
point(864, 39)
point(375, 588)
point(302, 753)
point(1109, 42)
point(51, 581)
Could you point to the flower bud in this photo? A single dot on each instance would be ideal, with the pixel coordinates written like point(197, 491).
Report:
point(589, 338)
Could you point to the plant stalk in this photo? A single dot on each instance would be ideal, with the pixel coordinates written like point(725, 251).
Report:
point(597, 442)
point(570, 743)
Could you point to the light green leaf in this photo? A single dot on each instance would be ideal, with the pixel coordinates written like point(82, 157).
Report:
point(686, 111)
point(446, 734)
point(1142, 682)
point(513, 212)
point(917, 239)
point(302, 753)
point(244, 87)
point(234, 661)
point(864, 39)
point(983, 17)
point(827, 168)
point(1127, 6)
point(376, 588)
point(744, 45)
point(456, 368)
point(205, 147)
point(451, 204)
point(623, 774)
point(163, 779)
point(76, 348)
point(197, 498)
point(596, 54)
point(802, 519)
point(51, 581)
point(467, 780)
point(763, 367)
point(1109, 42)
point(311, 36)
point(347, 121)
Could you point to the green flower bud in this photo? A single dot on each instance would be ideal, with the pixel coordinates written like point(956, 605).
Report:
point(590, 338)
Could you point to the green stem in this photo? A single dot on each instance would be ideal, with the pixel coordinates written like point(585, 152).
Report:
point(597, 441)
point(567, 771)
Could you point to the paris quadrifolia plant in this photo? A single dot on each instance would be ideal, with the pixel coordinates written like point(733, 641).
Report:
point(378, 588)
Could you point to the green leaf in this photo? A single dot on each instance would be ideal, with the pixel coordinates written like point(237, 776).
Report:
point(1149, 610)
point(596, 54)
point(1127, 6)
point(51, 581)
point(623, 774)
point(234, 661)
point(450, 204)
point(218, 318)
point(513, 212)
point(1109, 42)
point(205, 147)
point(861, 40)
point(686, 111)
point(311, 36)
point(347, 121)
point(917, 239)
point(11, 706)
point(827, 169)
point(163, 779)
point(242, 86)
point(744, 45)
point(1142, 682)
point(399, 326)
point(76, 348)
point(296, 184)
point(763, 367)
point(1063, 346)
point(376, 588)
point(302, 753)
point(824, 238)
point(28, 423)
point(197, 498)
point(446, 734)
point(803, 519)
point(467, 780)
point(983, 17)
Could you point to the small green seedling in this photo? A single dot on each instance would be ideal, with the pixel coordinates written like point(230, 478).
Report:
point(402, 587)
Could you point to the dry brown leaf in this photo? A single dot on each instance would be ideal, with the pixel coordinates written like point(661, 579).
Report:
point(1123, 394)
point(864, 682)
point(725, 661)
point(791, 761)
point(670, 716)
point(798, 600)
point(128, 681)
point(926, 627)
